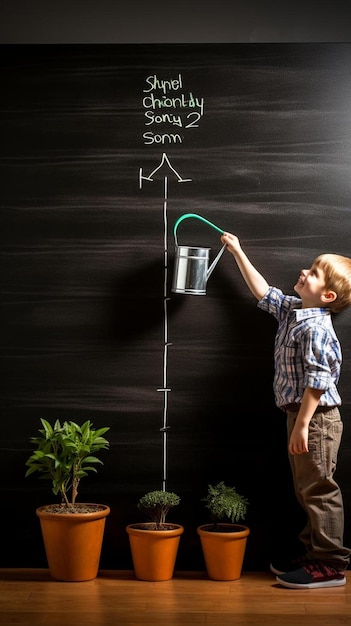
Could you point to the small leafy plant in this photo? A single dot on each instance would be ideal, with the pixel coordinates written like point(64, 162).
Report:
point(224, 502)
point(65, 454)
point(156, 504)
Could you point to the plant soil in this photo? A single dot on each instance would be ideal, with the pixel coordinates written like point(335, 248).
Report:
point(74, 508)
point(223, 528)
point(149, 526)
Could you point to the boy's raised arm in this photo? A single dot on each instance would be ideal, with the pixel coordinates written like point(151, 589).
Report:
point(254, 280)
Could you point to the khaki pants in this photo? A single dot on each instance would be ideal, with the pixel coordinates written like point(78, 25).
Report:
point(317, 491)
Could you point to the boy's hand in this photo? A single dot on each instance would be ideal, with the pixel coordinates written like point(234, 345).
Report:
point(232, 242)
point(298, 443)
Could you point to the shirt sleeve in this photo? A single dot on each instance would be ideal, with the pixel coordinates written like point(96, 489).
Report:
point(277, 303)
point(318, 349)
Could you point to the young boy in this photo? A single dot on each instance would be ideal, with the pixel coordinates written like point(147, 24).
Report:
point(307, 367)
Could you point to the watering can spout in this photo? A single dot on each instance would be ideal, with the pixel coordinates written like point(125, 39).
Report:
point(191, 271)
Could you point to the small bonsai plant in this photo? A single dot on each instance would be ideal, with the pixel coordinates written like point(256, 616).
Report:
point(224, 502)
point(64, 454)
point(156, 504)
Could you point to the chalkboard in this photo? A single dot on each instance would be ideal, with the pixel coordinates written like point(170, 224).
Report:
point(104, 148)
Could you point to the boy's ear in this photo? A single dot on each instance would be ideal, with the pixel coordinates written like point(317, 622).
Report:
point(328, 297)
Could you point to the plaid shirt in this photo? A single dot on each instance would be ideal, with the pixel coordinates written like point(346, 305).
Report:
point(307, 352)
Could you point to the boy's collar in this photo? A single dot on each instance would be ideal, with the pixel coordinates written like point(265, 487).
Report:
point(302, 314)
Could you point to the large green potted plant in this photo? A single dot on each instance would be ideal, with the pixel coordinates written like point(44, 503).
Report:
point(224, 542)
point(154, 545)
point(72, 532)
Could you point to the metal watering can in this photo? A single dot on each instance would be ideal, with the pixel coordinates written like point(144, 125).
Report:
point(191, 271)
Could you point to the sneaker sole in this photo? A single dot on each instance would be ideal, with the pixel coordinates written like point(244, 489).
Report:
point(326, 583)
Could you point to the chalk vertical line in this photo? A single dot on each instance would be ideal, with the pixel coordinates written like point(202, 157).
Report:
point(165, 390)
point(165, 337)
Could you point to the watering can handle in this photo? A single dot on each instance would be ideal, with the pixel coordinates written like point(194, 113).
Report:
point(186, 215)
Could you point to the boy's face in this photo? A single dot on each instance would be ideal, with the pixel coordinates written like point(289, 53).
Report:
point(312, 289)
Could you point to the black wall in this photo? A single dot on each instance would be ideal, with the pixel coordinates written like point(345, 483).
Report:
point(84, 238)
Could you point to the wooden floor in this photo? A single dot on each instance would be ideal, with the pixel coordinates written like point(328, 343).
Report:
point(29, 597)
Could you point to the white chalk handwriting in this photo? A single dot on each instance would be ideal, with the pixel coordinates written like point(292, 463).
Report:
point(168, 105)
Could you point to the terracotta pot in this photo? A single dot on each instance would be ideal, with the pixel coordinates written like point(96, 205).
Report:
point(73, 541)
point(223, 549)
point(154, 552)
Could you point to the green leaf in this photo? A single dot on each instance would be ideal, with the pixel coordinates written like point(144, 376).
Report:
point(64, 454)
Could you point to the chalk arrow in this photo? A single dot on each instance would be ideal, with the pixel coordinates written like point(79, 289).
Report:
point(164, 160)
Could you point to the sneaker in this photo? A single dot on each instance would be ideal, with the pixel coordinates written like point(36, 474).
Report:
point(313, 574)
point(287, 565)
